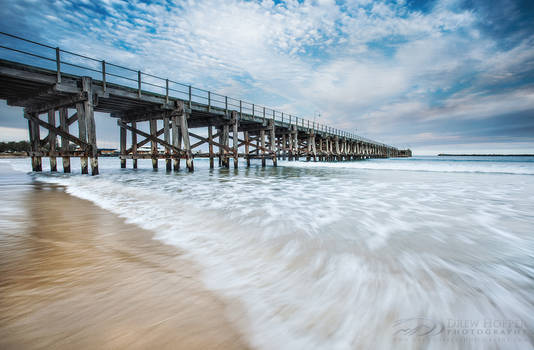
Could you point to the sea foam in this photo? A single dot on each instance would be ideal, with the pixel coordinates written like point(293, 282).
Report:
point(336, 255)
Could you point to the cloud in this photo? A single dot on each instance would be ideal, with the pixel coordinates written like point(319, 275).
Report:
point(13, 134)
point(371, 66)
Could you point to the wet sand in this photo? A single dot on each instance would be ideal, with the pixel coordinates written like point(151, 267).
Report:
point(74, 276)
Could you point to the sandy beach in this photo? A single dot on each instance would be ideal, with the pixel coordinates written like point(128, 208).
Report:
point(74, 276)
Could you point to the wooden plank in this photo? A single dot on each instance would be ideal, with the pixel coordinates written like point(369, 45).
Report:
point(66, 101)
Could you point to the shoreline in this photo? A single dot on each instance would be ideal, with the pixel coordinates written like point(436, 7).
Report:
point(74, 275)
point(484, 155)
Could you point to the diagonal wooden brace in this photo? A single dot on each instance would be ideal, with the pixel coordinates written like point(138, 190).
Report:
point(201, 142)
point(59, 132)
point(144, 142)
point(212, 142)
point(149, 137)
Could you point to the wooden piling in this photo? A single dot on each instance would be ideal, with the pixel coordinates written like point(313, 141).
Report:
point(187, 145)
point(176, 141)
point(296, 140)
point(35, 142)
point(247, 141)
point(225, 143)
point(52, 140)
point(82, 135)
point(32, 143)
point(314, 147)
point(87, 87)
point(64, 126)
point(284, 147)
point(235, 125)
point(291, 143)
point(134, 146)
point(220, 131)
point(153, 144)
point(262, 139)
point(210, 146)
point(272, 135)
point(123, 147)
point(167, 138)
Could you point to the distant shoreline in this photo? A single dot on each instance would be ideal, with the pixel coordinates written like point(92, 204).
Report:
point(484, 155)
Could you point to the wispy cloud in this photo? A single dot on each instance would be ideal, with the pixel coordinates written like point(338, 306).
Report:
point(375, 66)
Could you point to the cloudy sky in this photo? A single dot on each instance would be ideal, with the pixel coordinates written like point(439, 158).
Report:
point(436, 76)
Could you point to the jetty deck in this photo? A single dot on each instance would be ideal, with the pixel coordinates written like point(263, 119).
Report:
point(59, 89)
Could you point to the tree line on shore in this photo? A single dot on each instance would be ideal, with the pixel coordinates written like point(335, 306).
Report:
point(14, 146)
point(24, 146)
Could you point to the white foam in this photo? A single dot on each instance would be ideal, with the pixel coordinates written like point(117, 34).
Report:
point(330, 261)
point(431, 165)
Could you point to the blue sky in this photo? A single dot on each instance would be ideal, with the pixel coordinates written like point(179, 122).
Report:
point(436, 76)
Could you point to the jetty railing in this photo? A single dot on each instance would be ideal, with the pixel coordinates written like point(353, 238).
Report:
point(66, 62)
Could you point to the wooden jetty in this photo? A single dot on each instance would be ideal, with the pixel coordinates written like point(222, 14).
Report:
point(58, 88)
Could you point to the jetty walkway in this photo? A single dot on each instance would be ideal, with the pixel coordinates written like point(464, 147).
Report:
point(59, 88)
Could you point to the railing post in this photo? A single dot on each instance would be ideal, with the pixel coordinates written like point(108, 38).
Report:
point(283, 119)
point(225, 104)
point(139, 83)
point(104, 76)
point(253, 110)
point(274, 115)
point(167, 90)
point(263, 113)
point(209, 101)
point(58, 66)
point(240, 109)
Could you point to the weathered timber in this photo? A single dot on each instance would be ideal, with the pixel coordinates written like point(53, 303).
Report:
point(40, 91)
point(52, 140)
point(134, 146)
point(87, 87)
point(210, 141)
point(123, 146)
point(64, 128)
point(167, 138)
point(235, 125)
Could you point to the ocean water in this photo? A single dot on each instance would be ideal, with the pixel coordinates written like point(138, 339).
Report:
point(419, 253)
